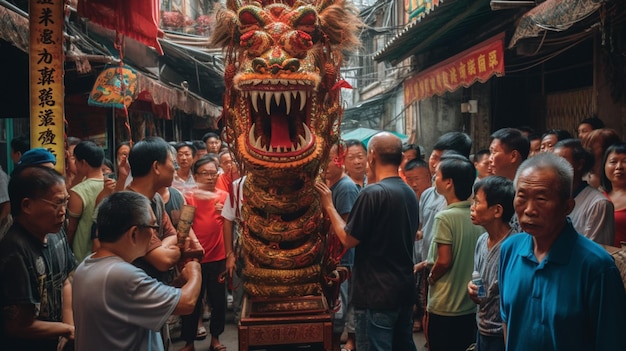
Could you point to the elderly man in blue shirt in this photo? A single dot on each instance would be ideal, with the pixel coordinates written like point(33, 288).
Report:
point(559, 290)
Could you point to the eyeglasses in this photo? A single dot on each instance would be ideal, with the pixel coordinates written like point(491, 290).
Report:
point(151, 226)
point(208, 174)
point(58, 204)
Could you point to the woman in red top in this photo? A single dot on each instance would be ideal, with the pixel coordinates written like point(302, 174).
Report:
point(207, 225)
point(614, 183)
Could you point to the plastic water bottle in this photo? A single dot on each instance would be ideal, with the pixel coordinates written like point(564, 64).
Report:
point(478, 281)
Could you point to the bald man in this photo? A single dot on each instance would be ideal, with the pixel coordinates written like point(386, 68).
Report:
point(381, 227)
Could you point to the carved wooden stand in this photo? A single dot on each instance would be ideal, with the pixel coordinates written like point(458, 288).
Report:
point(293, 321)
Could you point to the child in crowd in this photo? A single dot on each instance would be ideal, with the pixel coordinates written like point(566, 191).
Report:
point(492, 208)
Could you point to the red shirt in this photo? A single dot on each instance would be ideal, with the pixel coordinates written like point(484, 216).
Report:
point(620, 225)
point(208, 223)
point(223, 182)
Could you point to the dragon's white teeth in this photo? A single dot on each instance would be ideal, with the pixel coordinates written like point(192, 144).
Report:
point(289, 95)
point(284, 82)
point(268, 102)
point(251, 135)
point(302, 142)
point(287, 101)
point(307, 133)
point(253, 97)
point(277, 98)
point(302, 99)
point(297, 146)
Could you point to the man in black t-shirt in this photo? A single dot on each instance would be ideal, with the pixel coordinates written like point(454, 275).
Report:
point(35, 264)
point(382, 227)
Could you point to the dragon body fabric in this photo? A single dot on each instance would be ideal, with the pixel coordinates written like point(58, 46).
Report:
point(281, 115)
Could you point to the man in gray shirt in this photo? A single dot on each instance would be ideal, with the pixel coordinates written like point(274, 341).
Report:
point(117, 306)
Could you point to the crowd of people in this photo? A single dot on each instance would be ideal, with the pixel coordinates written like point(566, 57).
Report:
point(93, 261)
point(528, 216)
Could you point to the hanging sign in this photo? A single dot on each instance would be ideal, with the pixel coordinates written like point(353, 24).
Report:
point(476, 64)
point(46, 78)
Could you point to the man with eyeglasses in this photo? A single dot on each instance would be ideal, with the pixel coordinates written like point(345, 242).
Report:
point(152, 165)
point(208, 224)
point(126, 308)
point(36, 262)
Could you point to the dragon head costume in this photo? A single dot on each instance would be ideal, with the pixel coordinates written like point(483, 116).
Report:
point(281, 115)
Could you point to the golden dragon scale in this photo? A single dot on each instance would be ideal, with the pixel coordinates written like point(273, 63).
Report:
point(281, 114)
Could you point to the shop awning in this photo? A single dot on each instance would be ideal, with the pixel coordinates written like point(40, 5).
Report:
point(553, 15)
point(476, 64)
point(440, 27)
point(160, 93)
point(14, 27)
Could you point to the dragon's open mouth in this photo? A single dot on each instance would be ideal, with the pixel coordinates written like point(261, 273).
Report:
point(278, 118)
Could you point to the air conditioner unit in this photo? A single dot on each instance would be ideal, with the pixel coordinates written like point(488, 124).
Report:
point(469, 107)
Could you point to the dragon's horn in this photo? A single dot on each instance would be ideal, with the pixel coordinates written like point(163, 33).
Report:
point(233, 5)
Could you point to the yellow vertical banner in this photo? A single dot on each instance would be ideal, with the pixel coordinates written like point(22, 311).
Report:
point(46, 78)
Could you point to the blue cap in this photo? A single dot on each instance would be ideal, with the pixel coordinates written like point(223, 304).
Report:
point(36, 156)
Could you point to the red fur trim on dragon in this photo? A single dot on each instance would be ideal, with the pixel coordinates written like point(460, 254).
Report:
point(281, 113)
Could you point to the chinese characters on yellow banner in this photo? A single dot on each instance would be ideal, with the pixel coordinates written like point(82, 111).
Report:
point(46, 77)
point(478, 63)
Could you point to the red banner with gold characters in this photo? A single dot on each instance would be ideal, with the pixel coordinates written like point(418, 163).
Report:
point(478, 63)
point(46, 77)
